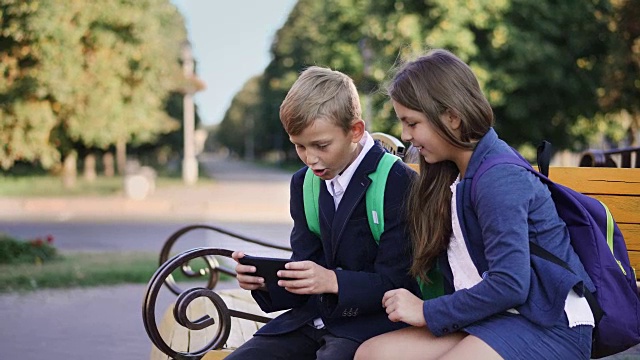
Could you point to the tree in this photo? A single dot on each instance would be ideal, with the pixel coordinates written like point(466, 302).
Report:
point(324, 33)
point(542, 64)
point(620, 91)
point(237, 128)
point(96, 74)
point(27, 115)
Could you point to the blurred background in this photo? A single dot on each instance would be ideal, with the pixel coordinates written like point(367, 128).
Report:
point(122, 121)
point(87, 87)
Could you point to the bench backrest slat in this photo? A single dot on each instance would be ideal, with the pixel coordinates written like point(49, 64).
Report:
point(612, 181)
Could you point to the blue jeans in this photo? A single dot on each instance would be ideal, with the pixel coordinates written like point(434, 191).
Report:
point(305, 343)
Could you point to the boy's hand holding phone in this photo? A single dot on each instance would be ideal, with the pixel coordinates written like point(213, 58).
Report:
point(298, 277)
point(307, 277)
point(246, 274)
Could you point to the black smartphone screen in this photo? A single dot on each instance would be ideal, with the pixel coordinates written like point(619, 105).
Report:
point(266, 267)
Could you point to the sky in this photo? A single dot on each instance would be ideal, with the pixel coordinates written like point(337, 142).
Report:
point(231, 41)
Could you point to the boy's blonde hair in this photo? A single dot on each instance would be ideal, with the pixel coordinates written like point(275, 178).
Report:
point(320, 93)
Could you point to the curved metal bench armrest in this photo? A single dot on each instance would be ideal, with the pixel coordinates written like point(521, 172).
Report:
point(182, 303)
point(163, 276)
point(213, 267)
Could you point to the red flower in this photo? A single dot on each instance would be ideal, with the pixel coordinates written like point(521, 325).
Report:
point(49, 239)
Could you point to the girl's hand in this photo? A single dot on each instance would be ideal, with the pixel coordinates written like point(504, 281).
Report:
point(307, 277)
point(402, 305)
point(244, 277)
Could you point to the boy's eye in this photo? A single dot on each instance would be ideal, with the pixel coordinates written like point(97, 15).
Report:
point(411, 125)
point(322, 146)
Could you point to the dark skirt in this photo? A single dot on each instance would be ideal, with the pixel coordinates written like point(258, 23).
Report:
point(514, 337)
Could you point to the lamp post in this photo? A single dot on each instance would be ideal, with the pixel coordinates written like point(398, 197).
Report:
point(189, 162)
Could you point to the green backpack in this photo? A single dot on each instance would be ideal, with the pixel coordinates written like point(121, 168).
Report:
point(375, 213)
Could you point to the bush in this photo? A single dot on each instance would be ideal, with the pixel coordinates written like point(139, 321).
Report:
point(38, 250)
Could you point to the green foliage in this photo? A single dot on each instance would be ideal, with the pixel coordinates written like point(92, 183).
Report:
point(85, 73)
point(84, 269)
point(544, 65)
point(36, 251)
point(238, 126)
point(79, 269)
point(620, 92)
point(551, 70)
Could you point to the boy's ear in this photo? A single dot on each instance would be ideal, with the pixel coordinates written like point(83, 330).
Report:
point(357, 130)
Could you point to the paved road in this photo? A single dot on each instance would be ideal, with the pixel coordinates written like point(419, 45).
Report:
point(102, 323)
point(145, 236)
point(240, 192)
point(105, 323)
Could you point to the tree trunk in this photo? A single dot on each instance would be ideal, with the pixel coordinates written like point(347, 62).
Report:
point(107, 162)
point(121, 156)
point(634, 139)
point(90, 167)
point(69, 170)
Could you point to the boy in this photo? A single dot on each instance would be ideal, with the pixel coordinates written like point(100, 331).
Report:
point(336, 282)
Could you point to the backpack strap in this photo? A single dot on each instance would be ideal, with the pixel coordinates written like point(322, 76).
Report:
point(543, 253)
point(544, 157)
point(436, 287)
point(375, 194)
point(311, 197)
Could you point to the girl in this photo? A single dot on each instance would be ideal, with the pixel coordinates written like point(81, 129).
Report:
point(502, 302)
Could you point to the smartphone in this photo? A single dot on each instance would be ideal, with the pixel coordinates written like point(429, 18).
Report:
point(266, 267)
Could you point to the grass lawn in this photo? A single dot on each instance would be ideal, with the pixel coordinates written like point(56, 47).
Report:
point(51, 186)
point(85, 269)
point(46, 185)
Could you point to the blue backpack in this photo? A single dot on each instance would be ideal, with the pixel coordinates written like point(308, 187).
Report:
point(597, 240)
point(374, 199)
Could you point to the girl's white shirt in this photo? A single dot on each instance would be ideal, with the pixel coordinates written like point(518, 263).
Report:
point(465, 273)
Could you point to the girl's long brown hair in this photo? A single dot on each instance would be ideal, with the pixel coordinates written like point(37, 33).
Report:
point(432, 84)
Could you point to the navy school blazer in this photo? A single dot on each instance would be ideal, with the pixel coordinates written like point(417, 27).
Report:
point(364, 269)
point(513, 208)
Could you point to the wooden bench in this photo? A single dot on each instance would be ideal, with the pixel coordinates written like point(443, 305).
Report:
point(212, 323)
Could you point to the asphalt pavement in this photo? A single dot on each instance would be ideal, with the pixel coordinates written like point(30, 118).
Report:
point(105, 323)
